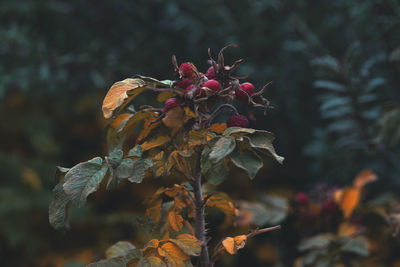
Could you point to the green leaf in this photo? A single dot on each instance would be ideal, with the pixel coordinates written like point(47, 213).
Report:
point(335, 102)
point(263, 140)
point(57, 209)
point(133, 254)
point(84, 179)
point(134, 171)
point(115, 156)
point(238, 130)
point(316, 242)
point(247, 160)
point(222, 148)
point(131, 121)
point(327, 62)
point(272, 210)
point(152, 82)
point(151, 262)
point(119, 249)
point(217, 173)
point(357, 246)
point(136, 151)
point(59, 173)
point(333, 86)
point(113, 160)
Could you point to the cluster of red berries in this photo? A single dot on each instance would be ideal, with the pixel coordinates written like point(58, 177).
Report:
point(190, 82)
point(317, 201)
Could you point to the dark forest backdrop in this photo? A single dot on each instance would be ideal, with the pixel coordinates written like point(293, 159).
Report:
point(335, 67)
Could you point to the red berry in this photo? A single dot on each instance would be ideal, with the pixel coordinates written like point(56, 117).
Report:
point(210, 74)
point(309, 216)
point(329, 206)
point(190, 87)
point(247, 89)
point(213, 85)
point(238, 121)
point(302, 199)
point(184, 83)
point(170, 104)
point(186, 69)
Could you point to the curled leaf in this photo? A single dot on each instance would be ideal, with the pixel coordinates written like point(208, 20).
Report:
point(364, 177)
point(119, 92)
point(233, 244)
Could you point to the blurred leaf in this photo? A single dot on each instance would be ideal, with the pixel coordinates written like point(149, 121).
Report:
point(364, 177)
point(316, 242)
point(395, 55)
point(357, 246)
point(114, 262)
point(334, 86)
point(327, 62)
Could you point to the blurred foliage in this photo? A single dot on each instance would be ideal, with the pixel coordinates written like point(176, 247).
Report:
point(59, 57)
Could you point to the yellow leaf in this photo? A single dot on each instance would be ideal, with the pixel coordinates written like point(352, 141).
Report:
point(198, 137)
point(175, 221)
point(174, 118)
point(31, 178)
point(116, 124)
point(163, 96)
point(346, 229)
point(218, 127)
point(364, 177)
point(349, 201)
point(233, 244)
point(349, 198)
point(188, 243)
point(148, 126)
point(222, 202)
point(173, 254)
point(118, 93)
point(155, 142)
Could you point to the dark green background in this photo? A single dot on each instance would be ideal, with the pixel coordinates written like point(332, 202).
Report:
point(58, 58)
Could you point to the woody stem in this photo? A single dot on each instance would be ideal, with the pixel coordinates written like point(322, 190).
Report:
point(200, 229)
